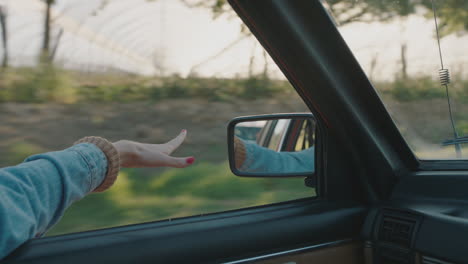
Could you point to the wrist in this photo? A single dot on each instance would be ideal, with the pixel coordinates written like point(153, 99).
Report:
point(239, 152)
point(113, 160)
point(127, 151)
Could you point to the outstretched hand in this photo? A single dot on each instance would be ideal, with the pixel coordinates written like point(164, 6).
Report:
point(134, 154)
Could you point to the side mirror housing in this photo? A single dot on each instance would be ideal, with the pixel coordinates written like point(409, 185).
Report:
point(277, 145)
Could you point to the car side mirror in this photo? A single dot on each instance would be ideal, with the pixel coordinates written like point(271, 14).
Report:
point(278, 145)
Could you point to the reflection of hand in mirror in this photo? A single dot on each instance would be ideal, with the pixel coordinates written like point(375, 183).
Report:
point(250, 157)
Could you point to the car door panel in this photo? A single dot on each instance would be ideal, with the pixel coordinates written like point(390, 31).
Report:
point(212, 238)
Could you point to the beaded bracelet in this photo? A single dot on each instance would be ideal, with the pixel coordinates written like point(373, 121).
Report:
point(113, 160)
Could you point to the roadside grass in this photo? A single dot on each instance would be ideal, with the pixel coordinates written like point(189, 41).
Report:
point(423, 87)
point(50, 83)
point(143, 196)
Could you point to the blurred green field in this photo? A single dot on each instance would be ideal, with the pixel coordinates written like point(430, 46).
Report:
point(142, 195)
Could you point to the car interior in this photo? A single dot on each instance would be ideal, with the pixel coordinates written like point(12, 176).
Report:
point(376, 202)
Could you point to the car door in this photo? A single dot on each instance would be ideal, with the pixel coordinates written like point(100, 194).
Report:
point(303, 41)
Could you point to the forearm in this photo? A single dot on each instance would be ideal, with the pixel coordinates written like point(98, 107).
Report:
point(35, 194)
point(260, 159)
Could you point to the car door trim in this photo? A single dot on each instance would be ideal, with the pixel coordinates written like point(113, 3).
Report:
point(291, 251)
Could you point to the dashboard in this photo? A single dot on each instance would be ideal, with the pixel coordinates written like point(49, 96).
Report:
point(427, 224)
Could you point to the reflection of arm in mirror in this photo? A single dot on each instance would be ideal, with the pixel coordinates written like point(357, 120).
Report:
point(250, 157)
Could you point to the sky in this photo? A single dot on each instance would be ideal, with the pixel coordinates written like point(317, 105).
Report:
point(166, 37)
point(135, 35)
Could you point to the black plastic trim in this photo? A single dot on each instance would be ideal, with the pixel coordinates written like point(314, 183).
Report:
point(442, 165)
point(273, 228)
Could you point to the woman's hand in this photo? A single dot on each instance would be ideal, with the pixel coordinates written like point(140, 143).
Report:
point(134, 154)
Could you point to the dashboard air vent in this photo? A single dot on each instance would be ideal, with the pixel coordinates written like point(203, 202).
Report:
point(397, 230)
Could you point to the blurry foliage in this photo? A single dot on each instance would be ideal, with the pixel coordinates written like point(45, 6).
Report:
point(203, 188)
point(45, 83)
point(424, 88)
point(348, 11)
point(462, 127)
point(452, 14)
point(17, 152)
point(50, 84)
point(419, 88)
point(256, 87)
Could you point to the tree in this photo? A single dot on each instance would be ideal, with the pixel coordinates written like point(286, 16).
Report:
point(45, 50)
point(453, 14)
point(3, 25)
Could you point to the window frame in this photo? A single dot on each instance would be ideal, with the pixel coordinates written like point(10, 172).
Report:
point(422, 164)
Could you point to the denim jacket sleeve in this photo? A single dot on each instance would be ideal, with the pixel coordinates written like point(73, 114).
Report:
point(35, 193)
point(260, 159)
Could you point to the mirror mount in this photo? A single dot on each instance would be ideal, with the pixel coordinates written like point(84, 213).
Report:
point(310, 181)
point(284, 143)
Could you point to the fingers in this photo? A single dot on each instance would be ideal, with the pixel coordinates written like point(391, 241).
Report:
point(178, 162)
point(176, 142)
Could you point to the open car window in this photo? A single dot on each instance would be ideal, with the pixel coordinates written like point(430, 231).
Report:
point(405, 57)
point(140, 70)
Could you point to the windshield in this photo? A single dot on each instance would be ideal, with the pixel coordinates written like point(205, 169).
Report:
point(408, 49)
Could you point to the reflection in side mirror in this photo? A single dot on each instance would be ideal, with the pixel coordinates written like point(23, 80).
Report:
point(280, 145)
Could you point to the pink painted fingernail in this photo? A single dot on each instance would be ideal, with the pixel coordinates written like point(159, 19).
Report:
point(190, 160)
point(183, 130)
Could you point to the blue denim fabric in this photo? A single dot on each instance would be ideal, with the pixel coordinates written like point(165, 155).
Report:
point(264, 160)
point(35, 193)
